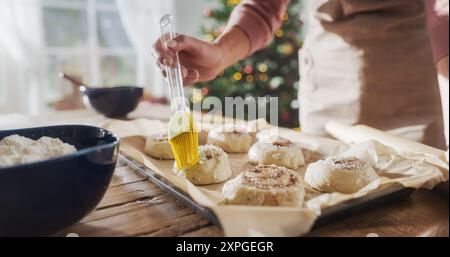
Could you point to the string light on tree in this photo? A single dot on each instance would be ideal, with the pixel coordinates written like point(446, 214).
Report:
point(237, 76)
point(286, 48)
point(262, 67)
point(285, 116)
point(276, 82)
point(279, 33)
point(263, 77)
point(205, 90)
point(233, 2)
point(210, 37)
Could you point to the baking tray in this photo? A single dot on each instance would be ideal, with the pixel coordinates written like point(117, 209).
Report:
point(387, 195)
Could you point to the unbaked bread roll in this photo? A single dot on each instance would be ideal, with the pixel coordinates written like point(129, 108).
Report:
point(340, 174)
point(276, 150)
point(213, 166)
point(231, 138)
point(265, 185)
point(158, 146)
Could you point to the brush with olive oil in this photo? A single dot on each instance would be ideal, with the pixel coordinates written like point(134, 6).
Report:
point(183, 135)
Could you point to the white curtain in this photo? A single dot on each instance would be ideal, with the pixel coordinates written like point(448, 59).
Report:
point(22, 59)
point(140, 19)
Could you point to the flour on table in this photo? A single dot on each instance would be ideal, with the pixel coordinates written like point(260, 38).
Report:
point(16, 150)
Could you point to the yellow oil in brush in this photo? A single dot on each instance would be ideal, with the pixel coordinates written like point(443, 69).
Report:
point(184, 140)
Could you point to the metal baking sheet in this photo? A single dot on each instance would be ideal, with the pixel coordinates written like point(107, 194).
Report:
point(387, 195)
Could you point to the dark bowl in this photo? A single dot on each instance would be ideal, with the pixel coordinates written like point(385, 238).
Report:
point(41, 198)
point(112, 102)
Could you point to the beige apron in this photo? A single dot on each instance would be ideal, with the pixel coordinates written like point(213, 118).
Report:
point(369, 62)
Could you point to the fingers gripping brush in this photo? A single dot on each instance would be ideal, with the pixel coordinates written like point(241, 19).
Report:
point(183, 135)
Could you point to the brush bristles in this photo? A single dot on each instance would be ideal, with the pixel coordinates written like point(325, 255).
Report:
point(185, 149)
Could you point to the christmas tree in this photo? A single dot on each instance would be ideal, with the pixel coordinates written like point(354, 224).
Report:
point(272, 71)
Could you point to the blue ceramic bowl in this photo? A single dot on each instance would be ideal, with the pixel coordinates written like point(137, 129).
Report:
point(44, 197)
point(113, 102)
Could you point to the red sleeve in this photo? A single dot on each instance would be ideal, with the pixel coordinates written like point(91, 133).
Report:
point(437, 23)
point(258, 19)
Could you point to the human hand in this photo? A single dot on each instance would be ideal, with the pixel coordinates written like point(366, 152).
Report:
point(200, 61)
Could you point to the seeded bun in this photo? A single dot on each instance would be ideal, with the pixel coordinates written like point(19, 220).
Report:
point(213, 167)
point(231, 138)
point(158, 146)
point(340, 174)
point(268, 185)
point(276, 150)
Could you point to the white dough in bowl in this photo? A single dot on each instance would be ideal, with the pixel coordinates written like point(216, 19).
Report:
point(213, 167)
point(17, 149)
point(268, 185)
point(232, 139)
point(158, 146)
point(340, 174)
point(276, 150)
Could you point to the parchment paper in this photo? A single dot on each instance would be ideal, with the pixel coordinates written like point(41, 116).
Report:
point(279, 221)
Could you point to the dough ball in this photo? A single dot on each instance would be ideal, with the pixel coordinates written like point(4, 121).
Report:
point(265, 185)
point(340, 174)
point(213, 166)
point(232, 139)
point(276, 150)
point(158, 146)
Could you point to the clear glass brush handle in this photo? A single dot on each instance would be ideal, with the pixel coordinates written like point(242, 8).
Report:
point(173, 73)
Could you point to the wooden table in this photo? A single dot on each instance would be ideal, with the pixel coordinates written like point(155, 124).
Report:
point(134, 206)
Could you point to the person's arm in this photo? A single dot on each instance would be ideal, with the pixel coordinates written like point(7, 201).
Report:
point(249, 29)
point(235, 44)
point(258, 19)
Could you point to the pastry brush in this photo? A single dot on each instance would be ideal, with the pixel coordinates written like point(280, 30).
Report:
point(183, 135)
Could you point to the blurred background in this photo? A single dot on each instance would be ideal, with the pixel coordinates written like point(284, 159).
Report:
point(108, 43)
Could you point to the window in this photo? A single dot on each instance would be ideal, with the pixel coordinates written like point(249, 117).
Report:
point(86, 38)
